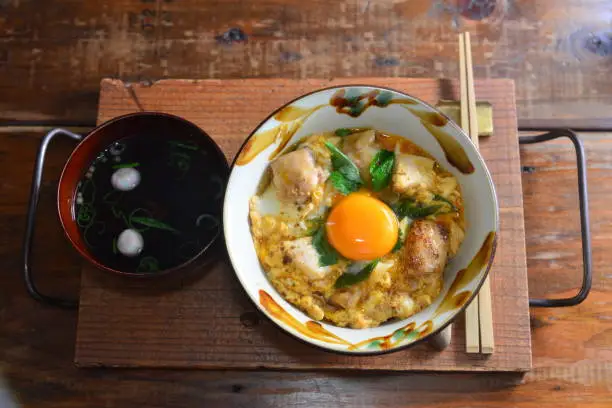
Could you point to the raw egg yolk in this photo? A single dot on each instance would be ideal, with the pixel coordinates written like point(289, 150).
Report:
point(362, 227)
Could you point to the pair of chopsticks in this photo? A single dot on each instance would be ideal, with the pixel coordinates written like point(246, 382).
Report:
point(479, 314)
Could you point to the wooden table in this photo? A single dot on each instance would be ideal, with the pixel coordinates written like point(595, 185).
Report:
point(51, 60)
point(558, 51)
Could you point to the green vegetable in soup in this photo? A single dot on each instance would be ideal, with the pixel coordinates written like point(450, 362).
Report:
point(381, 169)
point(153, 223)
point(345, 177)
point(445, 200)
point(348, 279)
point(327, 254)
point(343, 184)
point(399, 242)
point(411, 209)
point(126, 165)
point(312, 225)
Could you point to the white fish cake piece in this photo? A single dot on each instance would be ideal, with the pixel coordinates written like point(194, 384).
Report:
point(296, 176)
point(305, 257)
point(412, 173)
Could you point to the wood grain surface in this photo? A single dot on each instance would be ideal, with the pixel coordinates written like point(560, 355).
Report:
point(53, 53)
point(206, 321)
point(572, 347)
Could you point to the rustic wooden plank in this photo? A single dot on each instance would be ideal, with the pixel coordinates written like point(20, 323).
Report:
point(203, 324)
point(571, 346)
point(52, 57)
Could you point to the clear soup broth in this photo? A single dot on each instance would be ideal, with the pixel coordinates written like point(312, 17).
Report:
point(164, 192)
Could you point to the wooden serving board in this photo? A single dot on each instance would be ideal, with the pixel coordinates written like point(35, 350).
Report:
point(205, 320)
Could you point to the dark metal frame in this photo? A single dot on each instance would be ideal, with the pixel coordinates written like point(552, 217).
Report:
point(552, 134)
point(583, 203)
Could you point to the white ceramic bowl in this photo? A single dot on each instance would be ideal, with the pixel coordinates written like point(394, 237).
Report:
point(392, 112)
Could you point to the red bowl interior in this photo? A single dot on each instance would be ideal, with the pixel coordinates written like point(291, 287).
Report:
point(149, 123)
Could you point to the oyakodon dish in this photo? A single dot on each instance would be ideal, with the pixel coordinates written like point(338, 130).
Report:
point(356, 226)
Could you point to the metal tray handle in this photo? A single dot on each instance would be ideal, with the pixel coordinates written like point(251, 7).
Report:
point(583, 202)
point(31, 218)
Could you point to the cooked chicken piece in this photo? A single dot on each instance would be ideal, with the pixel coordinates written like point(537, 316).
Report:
point(455, 235)
point(446, 186)
point(304, 256)
point(360, 148)
point(316, 144)
point(296, 176)
point(412, 173)
point(426, 248)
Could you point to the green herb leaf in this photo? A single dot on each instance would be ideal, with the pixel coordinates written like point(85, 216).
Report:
point(342, 184)
point(327, 254)
point(400, 241)
point(409, 208)
point(348, 279)
point(148, 264)
point(153, 223)
point(345, 176)
point(381, 169)
point(339, 159)
point(126, 165)
point(343, 132)
point(438, 197)
point(312, 225)
point(351, 173)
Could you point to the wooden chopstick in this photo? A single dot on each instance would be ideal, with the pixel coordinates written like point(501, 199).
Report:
point(479, 314)
point(485, 310)
point(472, 321)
